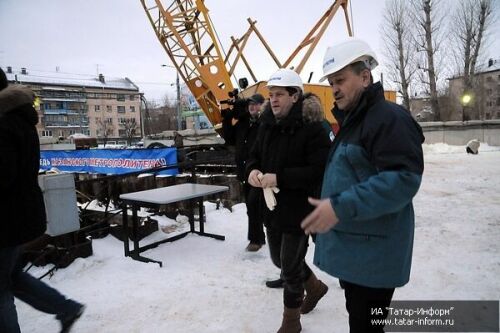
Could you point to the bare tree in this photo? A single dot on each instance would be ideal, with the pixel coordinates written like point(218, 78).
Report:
point(471, 20)
point(427, 39)
point(163, 118)
point(130, 127)
point(399, 46)
point(105, 129)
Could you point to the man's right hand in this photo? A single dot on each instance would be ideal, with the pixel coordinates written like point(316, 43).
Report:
point(253, 178)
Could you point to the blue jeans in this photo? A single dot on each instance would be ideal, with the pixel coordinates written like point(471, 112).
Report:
point(16, 283)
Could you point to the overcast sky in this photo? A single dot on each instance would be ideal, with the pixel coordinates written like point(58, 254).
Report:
point(115, 38)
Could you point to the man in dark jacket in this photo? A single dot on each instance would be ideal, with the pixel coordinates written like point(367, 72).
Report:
point(239, 127)
point(365, 219)
point(23, 211)
point(286, 165)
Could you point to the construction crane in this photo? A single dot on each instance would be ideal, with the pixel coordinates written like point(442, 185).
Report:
point(186, 32)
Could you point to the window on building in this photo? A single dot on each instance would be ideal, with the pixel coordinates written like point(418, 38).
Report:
point(489, 79)
point(122, 132)
point(122, 120)
point(498, 101)
point(120, 109)
point(72, 132)
point(489, 91)
point(120, 97)
point(47, 133)
point(109, 108)
point(97, 108)
point(132, 97)
point(109, 120)
point(132, 109)
point(86, 132)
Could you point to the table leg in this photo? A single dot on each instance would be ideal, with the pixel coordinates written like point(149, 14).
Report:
point(125, 229)
point(191, 215)
point(138, 257)
point(201, 218)
point(135, 232)
point(202, 223)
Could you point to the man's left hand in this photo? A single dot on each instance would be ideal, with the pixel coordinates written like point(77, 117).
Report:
point(268, 180)
point(321, 219)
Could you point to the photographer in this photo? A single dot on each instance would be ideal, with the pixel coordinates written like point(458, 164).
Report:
point(239, 126)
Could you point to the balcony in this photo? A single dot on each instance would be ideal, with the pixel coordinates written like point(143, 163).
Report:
point(51, 124)
point(64, 111)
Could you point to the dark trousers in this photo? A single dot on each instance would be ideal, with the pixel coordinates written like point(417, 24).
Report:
point(255, 226)
point(288, 252)
point(16, 283)
point(359, 302)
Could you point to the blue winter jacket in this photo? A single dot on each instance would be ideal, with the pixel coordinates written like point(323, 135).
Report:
point(373, 171)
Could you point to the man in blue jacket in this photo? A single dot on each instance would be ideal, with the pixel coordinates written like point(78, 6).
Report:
point(365, 218)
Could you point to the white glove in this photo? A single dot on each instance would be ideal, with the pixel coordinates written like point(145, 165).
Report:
point(269, 195)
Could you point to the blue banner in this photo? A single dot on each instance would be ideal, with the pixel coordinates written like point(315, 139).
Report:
point(109, 161)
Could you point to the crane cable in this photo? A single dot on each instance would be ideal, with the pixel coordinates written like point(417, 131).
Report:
point(352, 17)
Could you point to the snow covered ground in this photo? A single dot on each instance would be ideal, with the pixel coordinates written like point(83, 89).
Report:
point(208, 285)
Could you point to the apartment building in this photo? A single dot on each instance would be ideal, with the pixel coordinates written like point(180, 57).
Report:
point(98, 107)
point(485, 97)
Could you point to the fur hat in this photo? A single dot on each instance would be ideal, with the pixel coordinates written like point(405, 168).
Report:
point(3, 80)
point(312, 111)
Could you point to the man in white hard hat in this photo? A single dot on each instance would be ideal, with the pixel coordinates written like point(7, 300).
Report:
point(365, 219)
point(287, 161)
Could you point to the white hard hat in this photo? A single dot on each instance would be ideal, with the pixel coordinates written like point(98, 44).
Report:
point(345, 53)
point(285, 78)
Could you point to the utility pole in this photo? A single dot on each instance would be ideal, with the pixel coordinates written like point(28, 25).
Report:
point(178, 87)
point(141, 115)
point(179, 115)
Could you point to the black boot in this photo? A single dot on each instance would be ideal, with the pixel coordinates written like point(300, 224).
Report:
point(275, 283)
point(68, 320)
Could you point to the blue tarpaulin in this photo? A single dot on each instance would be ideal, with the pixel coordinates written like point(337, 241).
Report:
point(109, 161)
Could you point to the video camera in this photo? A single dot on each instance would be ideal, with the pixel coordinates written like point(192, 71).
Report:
point(233, 98)
point(239, 105)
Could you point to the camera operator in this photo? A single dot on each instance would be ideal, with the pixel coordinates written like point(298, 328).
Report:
point(239, 126)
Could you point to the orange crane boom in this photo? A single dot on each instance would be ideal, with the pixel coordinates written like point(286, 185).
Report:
point(186, 32)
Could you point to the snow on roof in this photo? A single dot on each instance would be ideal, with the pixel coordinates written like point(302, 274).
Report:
point(78, 136)
point(71, 80)
point(490, 66)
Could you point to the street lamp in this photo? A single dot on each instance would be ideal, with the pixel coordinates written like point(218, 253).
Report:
point(465, 100)
point(178, 108)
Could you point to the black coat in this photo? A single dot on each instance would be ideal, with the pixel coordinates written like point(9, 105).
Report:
point(242, 135)
point(296, 151)
point(21, 202)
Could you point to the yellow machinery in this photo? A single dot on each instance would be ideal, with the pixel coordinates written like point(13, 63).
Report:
point(185, 31)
